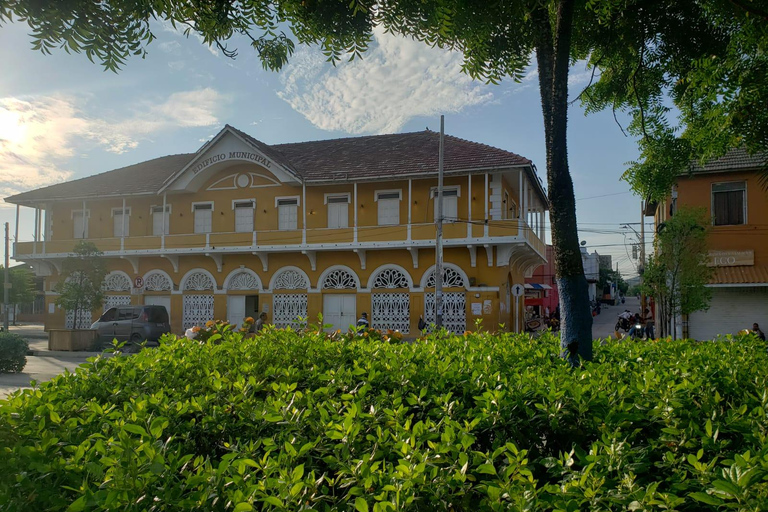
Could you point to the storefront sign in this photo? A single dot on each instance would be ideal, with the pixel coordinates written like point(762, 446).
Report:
point(232, 155)
point(731, 258)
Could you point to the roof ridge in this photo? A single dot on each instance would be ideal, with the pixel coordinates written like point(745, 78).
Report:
point(381, 135)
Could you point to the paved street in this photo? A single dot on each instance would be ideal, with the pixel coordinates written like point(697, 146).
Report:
point(43, 365)
point(40, 369)
point(604, 323)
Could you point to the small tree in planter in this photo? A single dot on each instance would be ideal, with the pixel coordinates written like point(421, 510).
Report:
point(79, 285)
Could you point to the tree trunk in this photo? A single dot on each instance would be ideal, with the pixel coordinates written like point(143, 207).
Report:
point(553, 58)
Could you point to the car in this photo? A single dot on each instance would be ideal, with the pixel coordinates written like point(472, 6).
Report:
point(133, 325)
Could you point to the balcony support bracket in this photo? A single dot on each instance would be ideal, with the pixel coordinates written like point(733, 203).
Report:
point(361, 255)
point(472, 255)
point(489, 253)
point(312, 256)
point(217, 258)
point(134, 261)
point(415, 256)
point(264, 257)
point(174, 261)
point(504, 253)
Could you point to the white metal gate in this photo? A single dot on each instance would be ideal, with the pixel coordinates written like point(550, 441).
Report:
point(85, 319)
point(454, 311)
point(112, 301)
point(287, 308)
point(391, 311)
point(198, 309)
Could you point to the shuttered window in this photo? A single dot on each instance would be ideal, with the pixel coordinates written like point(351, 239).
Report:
point(389, 208)
point(117, 218)
point(159, 220)
point(244, 216)
point(80, 223)
point(287, 214)
point(203, 218)
point(729, 203)
point(338, 211)
point(450, 204)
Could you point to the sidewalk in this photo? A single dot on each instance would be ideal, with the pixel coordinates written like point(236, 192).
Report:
point(42, 364)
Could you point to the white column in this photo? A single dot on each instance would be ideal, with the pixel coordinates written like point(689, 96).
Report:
point(16, 236)
point(122, 227)
point(410, 205)
point(46, 225)
point(85, 221)
point(34, 245)
point(485, 227)
point(520, 195)
point(469, 206)
point(354, 205)
point(304, 213)
point(165, 222)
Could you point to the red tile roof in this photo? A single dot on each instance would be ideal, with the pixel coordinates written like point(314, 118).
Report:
point(734, 160)
point(377, 157)
point(757, 274)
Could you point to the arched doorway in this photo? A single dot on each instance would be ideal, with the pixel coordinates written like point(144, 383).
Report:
point(455, 283)
point(390, 287)
point(339, 306)
point(198, 287)
point(289, 286)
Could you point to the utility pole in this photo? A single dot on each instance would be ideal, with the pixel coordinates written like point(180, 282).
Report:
point(7, 283)
point(439, 234)
point(641, 266)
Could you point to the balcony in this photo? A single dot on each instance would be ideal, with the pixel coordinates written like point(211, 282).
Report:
point(362, 237)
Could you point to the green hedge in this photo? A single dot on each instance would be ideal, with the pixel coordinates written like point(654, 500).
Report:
point(13, 352)
point(479, 422)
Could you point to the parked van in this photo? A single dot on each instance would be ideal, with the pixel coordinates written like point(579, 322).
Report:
point(132, 324)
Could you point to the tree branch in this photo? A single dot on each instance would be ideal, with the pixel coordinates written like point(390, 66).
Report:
point(750, 9)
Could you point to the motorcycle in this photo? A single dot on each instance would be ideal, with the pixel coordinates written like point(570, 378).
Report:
point(623, 324)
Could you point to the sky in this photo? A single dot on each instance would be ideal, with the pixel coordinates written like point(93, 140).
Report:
point(63, 117)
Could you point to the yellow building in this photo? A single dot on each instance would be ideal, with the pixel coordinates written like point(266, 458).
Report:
point(338, 227)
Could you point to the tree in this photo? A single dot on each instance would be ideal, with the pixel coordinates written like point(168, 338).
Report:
point(79, 285)
point(694, 93)
point(498, 40)
point(21, 291)
point(608, 276)
point(676, 274)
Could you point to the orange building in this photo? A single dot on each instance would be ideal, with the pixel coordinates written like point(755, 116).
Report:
point(730, 190)
point(337, 227)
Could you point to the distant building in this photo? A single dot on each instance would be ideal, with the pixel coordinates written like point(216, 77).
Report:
point(591, 264)
point(606, 261)
point(730, 190)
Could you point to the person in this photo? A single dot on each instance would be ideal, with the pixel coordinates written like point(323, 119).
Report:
point(363, 321)
point(649, 324)
point(260, 322)
point(757, 332)
point(633, 329)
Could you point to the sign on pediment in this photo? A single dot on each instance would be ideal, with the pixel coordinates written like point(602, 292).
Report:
point(225, 150)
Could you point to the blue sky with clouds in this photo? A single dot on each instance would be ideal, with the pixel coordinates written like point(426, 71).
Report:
point(62, 117)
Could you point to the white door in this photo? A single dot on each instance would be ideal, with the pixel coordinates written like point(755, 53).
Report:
point(236, 310)
point(389, 210)
point(391, 311)
point(454, 311)
point(198, 309)
point(80, 224)
point(287, 308)
point(340, 311)
point(244, 217)
point(338, 212)
point(159, 300)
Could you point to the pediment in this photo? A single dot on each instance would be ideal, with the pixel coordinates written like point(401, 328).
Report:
point(226, 150)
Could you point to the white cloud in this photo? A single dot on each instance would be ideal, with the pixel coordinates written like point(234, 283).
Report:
point(397, 79)
point(38, 136)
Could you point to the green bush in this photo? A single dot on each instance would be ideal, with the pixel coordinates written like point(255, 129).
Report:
point(13, 352)
point(286, 421)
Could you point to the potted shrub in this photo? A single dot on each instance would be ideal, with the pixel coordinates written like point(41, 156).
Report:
point(79, 290)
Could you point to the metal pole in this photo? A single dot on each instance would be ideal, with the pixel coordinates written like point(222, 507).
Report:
point(16, 237)
point(439, 235)
point(7, 285)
